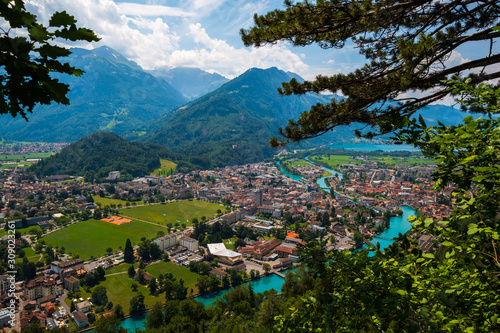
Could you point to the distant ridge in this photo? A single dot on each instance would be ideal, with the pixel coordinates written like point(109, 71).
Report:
point(233, 124)
point(114, 94)
point(191, 82)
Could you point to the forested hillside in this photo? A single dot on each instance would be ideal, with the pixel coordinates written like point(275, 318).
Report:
point(94, 156)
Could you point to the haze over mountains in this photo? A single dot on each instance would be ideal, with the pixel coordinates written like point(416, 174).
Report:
point(190, 82)
point(230, 123)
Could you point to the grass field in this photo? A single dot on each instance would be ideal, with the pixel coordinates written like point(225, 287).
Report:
point(165, 168)
point(8, 166)
point(178, 271)
point(181, 211)
point(93, 237)
point(119, 291)
point(17, 157)
point(108, 201)
point(23, 231)
point(335, 160)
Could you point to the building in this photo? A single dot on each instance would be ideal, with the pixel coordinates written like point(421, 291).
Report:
point(226, 256)
point(80, 318)
point(4, 283)
point(84, 306)
point(113, 175)
point(259, 198)
point(168, 241)
point(71, 283)
point(40, 287)
point(189, 243)
point(59, 267)
point(5, 318)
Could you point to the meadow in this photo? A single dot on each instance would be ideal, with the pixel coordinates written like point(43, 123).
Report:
point(179, 272)
point(108, 202)
point(171, 212)
point(335, 160)
point(91, 238)
point(165, 169)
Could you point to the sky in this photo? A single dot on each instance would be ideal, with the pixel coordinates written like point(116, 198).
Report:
point(193, 33)
point(205, 34)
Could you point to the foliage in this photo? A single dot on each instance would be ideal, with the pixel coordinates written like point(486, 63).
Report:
point(99, 296)
point(137, 304)
point(406, 44)
point(95, 155)
point(28, 58)
point(231, 125)
point(128, 252)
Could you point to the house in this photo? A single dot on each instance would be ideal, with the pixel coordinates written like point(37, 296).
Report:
point(80, 318)
point(218, 273)
point(84, 306)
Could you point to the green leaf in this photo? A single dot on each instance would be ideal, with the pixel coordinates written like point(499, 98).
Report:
point(61, 19)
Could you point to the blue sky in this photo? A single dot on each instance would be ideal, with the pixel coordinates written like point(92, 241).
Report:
point(193, 33)
point(205, 34)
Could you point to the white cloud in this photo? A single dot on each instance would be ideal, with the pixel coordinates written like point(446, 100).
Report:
point(217, 55)
point(150, 41)
point(134, 9)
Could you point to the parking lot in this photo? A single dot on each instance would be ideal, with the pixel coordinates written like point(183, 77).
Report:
point(184, 257)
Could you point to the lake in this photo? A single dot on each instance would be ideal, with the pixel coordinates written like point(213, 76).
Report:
point(373, 147)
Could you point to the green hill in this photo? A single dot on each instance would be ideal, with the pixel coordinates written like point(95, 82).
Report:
point(233, 124)
point(95, 155)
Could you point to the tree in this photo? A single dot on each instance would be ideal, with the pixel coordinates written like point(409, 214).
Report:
point(99, 296)
point(128, 252)
point(131, 271)
point(152, 286)
point(137, 304)
point(29, 58)
point(109, 324)
point(266, 268)
point(203, 284)
point(119, 311)
point(155, 317)
point(406, 44)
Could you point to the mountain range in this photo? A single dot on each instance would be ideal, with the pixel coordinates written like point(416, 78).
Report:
point(190, 82)
point(231, 122)
point(114, 94)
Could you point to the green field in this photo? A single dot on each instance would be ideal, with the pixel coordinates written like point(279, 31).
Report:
point(336, 160)
point(180, 272)
point(17, 157)
point(23, 231)
point(8, 166)
point(181, 211)
point(165, 168)
point(119, 291)
point(108, 201)
point(93, 237)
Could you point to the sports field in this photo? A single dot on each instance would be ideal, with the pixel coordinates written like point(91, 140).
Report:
point(171, 212)
point(93, 237)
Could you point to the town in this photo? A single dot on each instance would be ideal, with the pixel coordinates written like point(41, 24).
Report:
point(252, 221)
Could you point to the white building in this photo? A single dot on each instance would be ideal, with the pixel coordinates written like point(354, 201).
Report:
point(189, 243)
